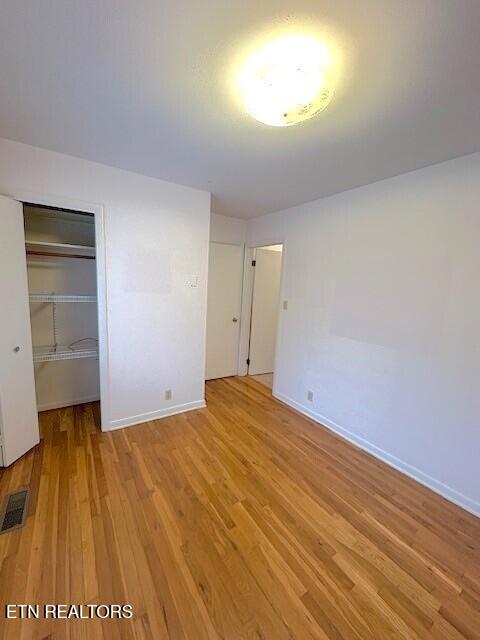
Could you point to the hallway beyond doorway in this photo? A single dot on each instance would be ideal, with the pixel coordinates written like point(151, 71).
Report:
point(264, 378)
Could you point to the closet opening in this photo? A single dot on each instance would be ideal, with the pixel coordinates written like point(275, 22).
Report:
point(62, 287)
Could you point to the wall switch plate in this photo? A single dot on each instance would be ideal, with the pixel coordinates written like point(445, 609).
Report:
point(192, 282)
point(168, 394)
point(285, 305)
point(310, 396)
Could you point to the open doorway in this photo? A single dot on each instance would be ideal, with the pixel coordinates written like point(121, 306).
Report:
point(50, 337)
point(267, 262)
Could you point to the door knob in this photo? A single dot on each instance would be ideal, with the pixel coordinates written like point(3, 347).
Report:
point(16, 349)
point(234, 319)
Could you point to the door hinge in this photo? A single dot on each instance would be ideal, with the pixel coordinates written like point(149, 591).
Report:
point(254, 263)
point(248, 360)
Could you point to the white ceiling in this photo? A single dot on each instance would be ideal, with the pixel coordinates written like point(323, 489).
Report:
point(147, 86)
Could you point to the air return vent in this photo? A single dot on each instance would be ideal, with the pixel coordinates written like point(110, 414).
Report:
point(14, 510)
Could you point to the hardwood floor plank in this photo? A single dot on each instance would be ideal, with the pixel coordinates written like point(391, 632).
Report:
point(243, 520)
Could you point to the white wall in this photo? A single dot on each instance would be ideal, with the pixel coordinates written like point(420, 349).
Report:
point(156, 240)
point(227, 230)
point(383, 319)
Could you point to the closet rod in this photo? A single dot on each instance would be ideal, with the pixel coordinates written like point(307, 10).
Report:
point(59, 255)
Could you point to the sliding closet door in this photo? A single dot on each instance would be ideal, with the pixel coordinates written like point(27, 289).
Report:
point(18, 410)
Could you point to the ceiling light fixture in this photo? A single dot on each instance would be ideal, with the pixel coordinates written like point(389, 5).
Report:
point(287, 81)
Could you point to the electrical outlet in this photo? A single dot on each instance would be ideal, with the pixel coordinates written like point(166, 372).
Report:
point(310, 396)
point(285, 305)
point(168, 394)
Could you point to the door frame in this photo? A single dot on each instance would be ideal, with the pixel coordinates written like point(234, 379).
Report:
point(97, 209)
point(247, 301)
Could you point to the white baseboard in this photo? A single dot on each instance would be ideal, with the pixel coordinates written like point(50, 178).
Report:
point(46, 406)
point(154, 415)
point(442, 489)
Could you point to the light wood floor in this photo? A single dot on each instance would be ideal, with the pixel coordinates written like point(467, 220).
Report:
point(265, 378)
point(242, 520)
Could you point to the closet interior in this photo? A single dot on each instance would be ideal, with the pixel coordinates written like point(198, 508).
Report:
point(61, 269)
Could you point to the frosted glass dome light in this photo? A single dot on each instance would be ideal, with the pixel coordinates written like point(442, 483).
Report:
point(287, 81)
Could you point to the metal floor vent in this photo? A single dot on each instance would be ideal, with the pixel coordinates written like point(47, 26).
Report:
point(14, 510)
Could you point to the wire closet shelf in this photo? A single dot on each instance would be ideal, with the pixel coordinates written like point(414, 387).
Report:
point(60, 297)
point(59, 250)
point(83, 348)
point(63, 352)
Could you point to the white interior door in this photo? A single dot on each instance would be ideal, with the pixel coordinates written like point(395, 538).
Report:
point(266, 292)
point(18, 410)
point(225, 275)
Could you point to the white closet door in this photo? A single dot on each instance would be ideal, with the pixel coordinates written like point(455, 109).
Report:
point(225, 273)
point(18, 410)
point(266, 292)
